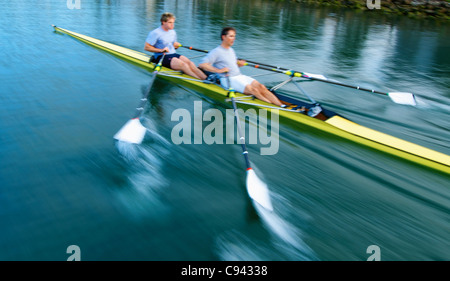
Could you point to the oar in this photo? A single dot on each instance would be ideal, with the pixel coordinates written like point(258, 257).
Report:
point(256, 188)
point(397, 97)
point(192, 48)
point(133, 131)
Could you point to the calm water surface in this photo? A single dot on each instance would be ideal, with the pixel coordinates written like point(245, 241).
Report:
point(63, 180)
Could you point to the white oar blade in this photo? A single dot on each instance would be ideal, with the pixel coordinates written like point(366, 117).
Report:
point(317, 76)
point(258, 191)
point(402, 98)
point(132, 132)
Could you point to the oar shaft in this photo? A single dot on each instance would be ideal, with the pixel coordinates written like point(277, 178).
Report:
point(140, 108)
point(304, 75)
point(267, 65)
point(257, 189)
point(242, 139)
point(195, 49)
point(348, 86)
point(259, 66)
point(231, 93)
point(295, 73)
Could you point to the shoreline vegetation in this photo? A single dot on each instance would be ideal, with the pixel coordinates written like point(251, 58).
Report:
point(420, 9)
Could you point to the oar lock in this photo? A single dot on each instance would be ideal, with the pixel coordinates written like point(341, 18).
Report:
point(293, 73)
point(231, 93)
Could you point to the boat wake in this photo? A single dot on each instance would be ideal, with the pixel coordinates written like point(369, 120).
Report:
point(288, 233)
point(286, 239)
point(133, 152)
point(432, 104)
point(142, 195)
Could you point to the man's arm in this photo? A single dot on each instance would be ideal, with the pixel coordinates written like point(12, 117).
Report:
point(152, 49)
point(208, 67)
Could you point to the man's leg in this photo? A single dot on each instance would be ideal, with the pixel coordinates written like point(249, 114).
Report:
point(261, 92)
point(199, 74)
point(188, 67)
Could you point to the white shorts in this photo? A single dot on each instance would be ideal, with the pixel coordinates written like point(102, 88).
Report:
point(238, 82)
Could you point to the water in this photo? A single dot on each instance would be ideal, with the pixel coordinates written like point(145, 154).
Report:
point(63, 180)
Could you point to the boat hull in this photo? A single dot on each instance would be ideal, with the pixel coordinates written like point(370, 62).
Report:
point(334, 124)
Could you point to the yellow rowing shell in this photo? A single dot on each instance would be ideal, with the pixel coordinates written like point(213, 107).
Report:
point(336, 125)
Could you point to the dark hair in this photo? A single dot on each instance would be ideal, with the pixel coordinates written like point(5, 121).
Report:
point(226, 30)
